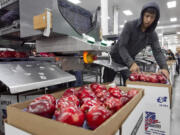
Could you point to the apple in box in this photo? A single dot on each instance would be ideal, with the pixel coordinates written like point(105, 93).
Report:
point(148, 77)
point(47, 97)
point(71, 115)
point(113, 104)
point(153, 78)
point(97, 115)
point(131, 93)
point(162, 78)
point(88, 104)
point(115, 92)
point(44, 105)
point(42, 108)
point(134, 77)
point(86, 93)
point(71, 98)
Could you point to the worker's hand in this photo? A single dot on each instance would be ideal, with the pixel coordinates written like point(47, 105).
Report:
point(134, 68)
point(164, 72)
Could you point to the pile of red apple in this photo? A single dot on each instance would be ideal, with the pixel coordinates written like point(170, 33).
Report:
point(93, 104)
point(150, 77)
point(12, 54)
point(46, 54)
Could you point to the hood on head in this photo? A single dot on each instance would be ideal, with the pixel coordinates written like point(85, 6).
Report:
point(150, 5)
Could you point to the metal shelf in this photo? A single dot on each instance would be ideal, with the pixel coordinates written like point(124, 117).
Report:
point(28, 75)
point(51, 59)
point(112, 65)
point(14, 27)
point(143, 61)
point(7, 3)
point(68, 44)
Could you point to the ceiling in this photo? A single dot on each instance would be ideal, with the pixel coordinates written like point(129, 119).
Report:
point(165, 26)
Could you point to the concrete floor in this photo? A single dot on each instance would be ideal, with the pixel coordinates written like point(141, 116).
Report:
point(175, 116)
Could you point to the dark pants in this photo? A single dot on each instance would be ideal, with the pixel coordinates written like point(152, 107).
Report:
point(79, 79)
point(177, 67)
point(110, 74)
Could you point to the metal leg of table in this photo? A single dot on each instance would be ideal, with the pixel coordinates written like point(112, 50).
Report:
point(100, 79)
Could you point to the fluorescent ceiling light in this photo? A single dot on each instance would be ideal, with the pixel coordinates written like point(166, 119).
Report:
point(75, 1)
point(178, 33)
point(174, 19)
point(127, 12)
point(171, 4)
point(121, 26)
point(125, 21)
point(160, 34)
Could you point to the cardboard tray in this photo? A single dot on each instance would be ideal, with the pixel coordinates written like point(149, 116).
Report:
point(38, 125)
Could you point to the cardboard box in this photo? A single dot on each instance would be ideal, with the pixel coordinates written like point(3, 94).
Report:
point(11, 130)
point(154, 92)
point(156, 120)
point(156, 99)
point(5, 100)
point(37, 125)
point(134, 124)
point(147, 120)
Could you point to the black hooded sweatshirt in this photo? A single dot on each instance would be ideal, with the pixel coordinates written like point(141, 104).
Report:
point(132, 40)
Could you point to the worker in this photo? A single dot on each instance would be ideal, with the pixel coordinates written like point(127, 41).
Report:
point(137, 35)
point(170, 55)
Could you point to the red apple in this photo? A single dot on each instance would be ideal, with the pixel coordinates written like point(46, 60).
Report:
point(98, 88)
point(71, 98)
point(134, 77)
point(84, 93)
point(162, 78)
point(70, 91)
point(124, 100)
point(67, 100)
point(93, 86)
point(47, 97)
point(103, 95)
point(153, 78)
point(71, 115)
point(131, 93)
point(7, 54)
point(142, 77)
point(97, 115)
point(42, 108)
point(115, 92)
point(147, 78)
point(113, 104)
point(61, 104)
point(88, 104)
point(57, 112)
